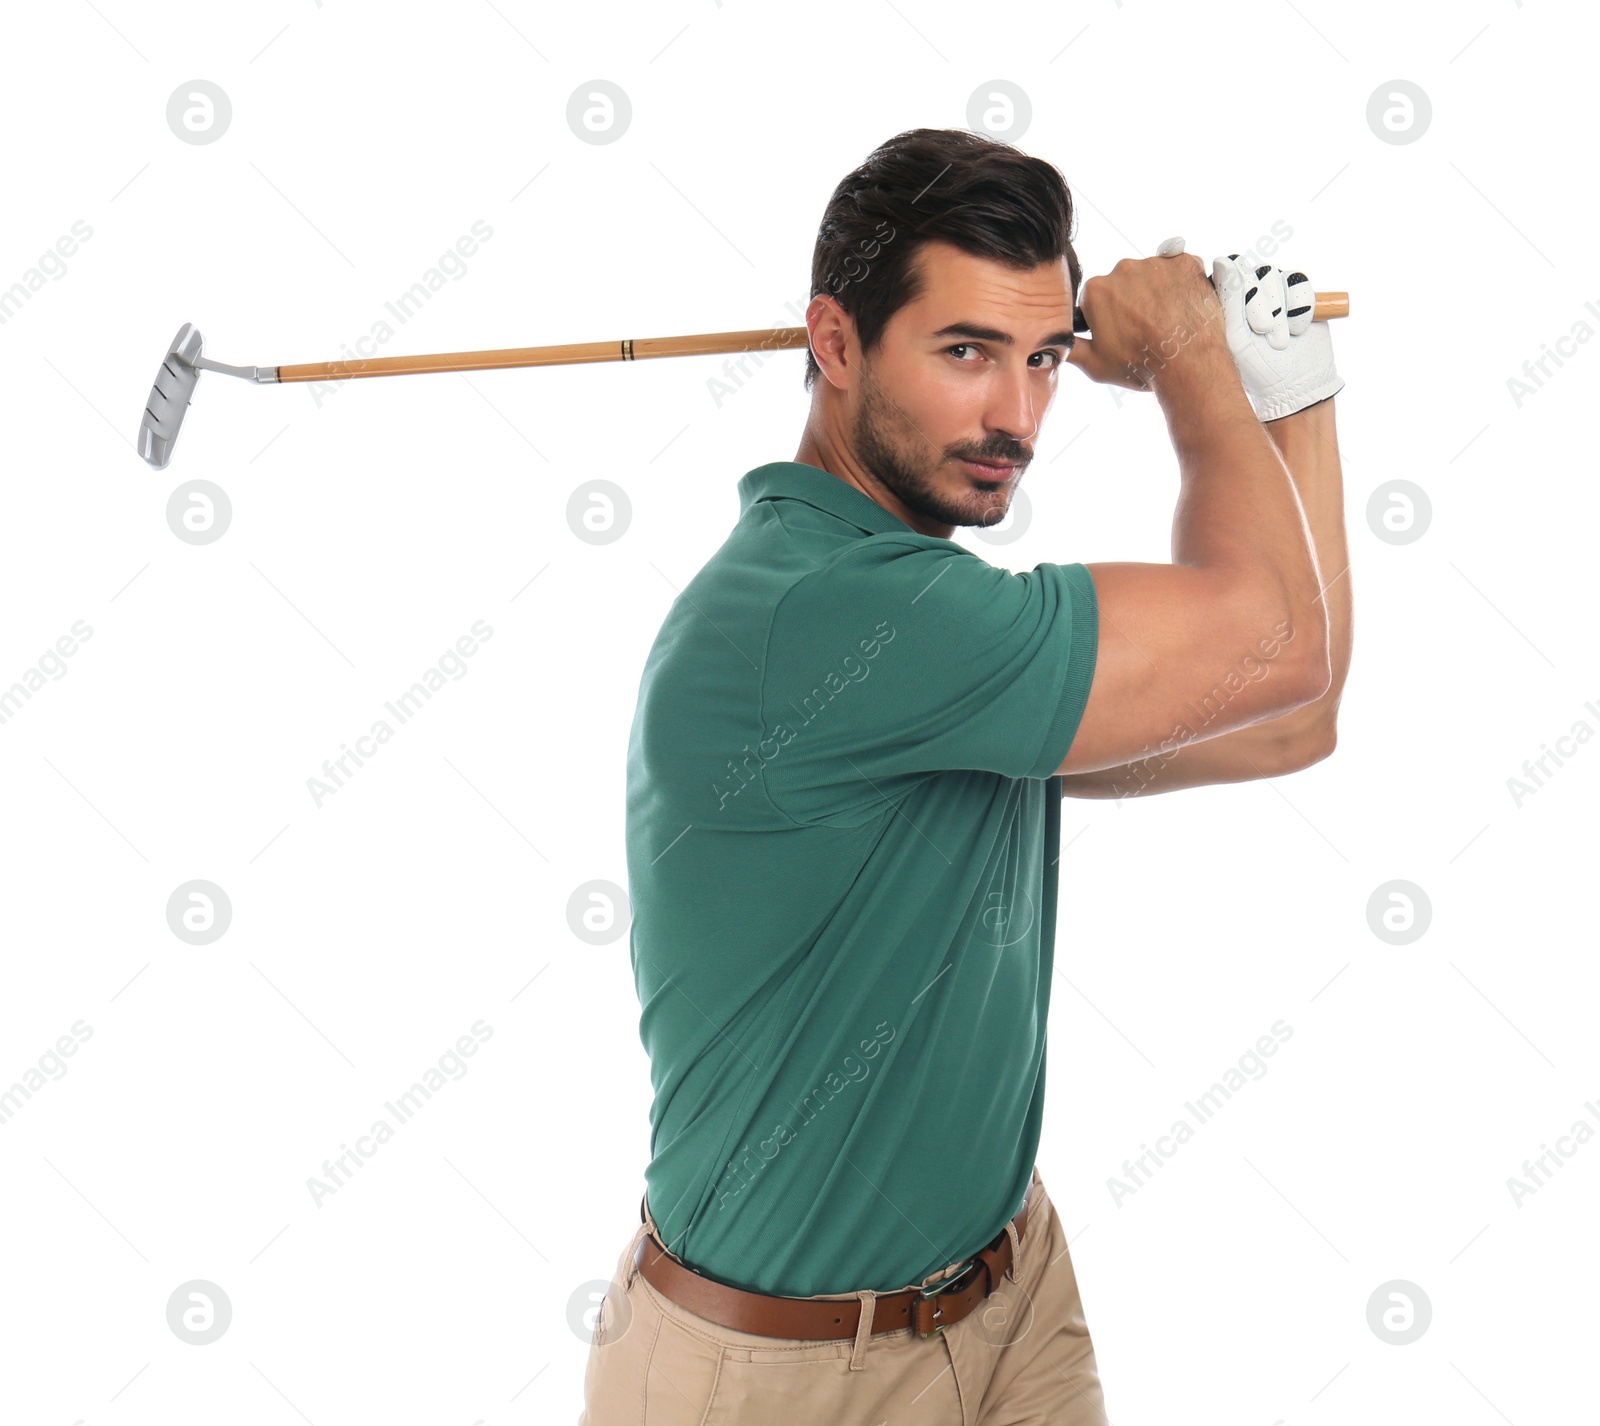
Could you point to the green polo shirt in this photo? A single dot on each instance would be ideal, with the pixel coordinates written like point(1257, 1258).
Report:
point(843, 828)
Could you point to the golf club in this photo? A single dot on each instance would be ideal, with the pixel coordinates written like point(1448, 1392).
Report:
point(173, 388)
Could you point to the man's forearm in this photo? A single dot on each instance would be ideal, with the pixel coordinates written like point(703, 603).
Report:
point(1235, 511)
point(1308, 443)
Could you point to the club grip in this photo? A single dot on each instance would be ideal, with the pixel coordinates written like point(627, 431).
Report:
point(1329, 305)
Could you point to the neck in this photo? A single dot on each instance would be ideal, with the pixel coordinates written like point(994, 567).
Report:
point(824, 447)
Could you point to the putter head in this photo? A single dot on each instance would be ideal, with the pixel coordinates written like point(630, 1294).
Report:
point(170, 395)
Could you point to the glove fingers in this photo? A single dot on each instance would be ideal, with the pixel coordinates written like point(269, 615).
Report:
point(1302, 299)
point(1230, 282)
point(1232, 279)
point(1265, 304)
point(1228, 278)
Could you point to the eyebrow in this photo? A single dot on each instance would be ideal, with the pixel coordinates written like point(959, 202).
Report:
point(973, 332)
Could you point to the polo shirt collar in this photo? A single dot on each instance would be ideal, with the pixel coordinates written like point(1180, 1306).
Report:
point(795, 480)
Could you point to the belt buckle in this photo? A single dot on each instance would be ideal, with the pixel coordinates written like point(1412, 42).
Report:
point(948, 1284)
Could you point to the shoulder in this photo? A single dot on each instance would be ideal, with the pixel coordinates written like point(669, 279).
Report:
point(907, 568)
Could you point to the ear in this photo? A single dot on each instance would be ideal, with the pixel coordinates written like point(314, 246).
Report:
point(832, 331)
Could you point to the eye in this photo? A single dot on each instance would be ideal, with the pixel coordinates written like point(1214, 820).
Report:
point(1055, 358)
point(961, 347)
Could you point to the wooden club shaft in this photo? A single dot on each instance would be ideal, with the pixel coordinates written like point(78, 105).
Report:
point(760, 339)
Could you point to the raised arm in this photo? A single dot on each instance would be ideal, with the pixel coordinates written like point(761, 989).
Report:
point(1309, 443)
point(1234, 631)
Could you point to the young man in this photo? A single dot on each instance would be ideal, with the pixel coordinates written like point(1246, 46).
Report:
point(844, 783)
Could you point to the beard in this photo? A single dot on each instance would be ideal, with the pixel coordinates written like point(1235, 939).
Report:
point(897, 453)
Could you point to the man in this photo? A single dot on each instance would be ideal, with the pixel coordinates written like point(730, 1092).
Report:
point(843, 797)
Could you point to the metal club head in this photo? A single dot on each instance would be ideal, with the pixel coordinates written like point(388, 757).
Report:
point(170, 395)
point(173, 389)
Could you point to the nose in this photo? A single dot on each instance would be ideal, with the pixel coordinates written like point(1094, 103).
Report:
point(1011, 410)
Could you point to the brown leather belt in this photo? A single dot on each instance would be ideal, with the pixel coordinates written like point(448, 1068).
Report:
point(930, 1310)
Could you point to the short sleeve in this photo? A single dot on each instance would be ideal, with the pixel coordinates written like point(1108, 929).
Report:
point(908, 655)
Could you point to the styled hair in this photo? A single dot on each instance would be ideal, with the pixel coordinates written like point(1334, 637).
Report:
point(985, 197)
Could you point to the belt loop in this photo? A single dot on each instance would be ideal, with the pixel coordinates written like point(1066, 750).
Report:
point(1014, 1272)
point(863, 1330)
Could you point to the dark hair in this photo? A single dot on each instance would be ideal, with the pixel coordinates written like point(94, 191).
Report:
point(984, 197)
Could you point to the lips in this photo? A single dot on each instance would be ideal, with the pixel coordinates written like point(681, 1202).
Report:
point(997, 470)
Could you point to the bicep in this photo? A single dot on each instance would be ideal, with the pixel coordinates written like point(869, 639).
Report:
point(1186, 654)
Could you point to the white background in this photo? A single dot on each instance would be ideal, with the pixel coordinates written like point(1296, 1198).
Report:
point(371, 526)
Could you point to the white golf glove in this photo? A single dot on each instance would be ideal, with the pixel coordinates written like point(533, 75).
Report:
point(1284, 358)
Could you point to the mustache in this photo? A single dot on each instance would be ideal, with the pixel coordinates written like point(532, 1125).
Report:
point(1010, 454)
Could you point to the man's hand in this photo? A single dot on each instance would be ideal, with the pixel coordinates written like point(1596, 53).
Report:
point(1284, 358)
point(1145, 314)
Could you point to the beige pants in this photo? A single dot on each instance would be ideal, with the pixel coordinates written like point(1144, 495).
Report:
point(1023, 1357)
